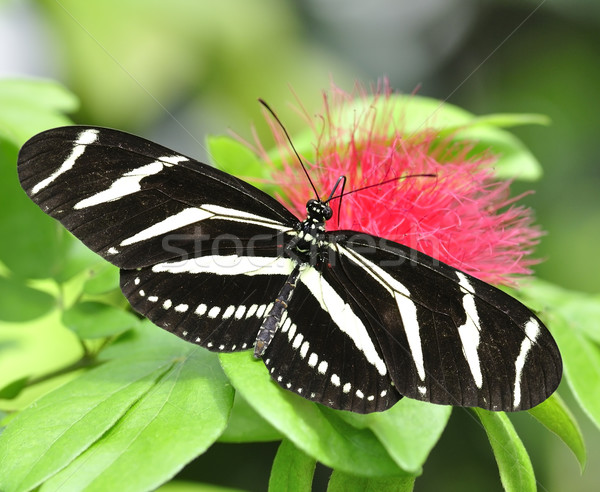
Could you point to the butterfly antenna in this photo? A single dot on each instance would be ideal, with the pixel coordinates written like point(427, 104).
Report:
point(397, 178)
point(341, 179)
point(289, 139)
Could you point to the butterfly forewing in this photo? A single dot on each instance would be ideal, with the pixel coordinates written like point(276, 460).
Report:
point(447, 337)
point(137, 203)
point(359, 322)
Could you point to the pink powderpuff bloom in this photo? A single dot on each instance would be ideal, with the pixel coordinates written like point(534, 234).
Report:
point(462, 216)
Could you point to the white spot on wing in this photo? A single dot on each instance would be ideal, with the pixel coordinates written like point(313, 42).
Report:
point(335, 380)
point(201, 309)
point(181, 308)
point(167, 304)
point(297, 341)
point(214, 312)
point(239, 312)
point(304, 349)
point(346, 388)
point(153, 298)
point(322, 369)
point(85, 138)
point(229, 312)
point(313, 359)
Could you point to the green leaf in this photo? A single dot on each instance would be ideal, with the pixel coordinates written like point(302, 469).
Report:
point(103, 277)
point(235, 158)
point(345, 482)
point(28, 106)
point(246, 425)
point(97, 320)
point(408, 431)
point(19, 302)
point(292, 470)
point(317, 430)
point(13, 389)
point(151, 414)
point(182, 486)
point(415, 114)
point(556, 417)
point(514, 465)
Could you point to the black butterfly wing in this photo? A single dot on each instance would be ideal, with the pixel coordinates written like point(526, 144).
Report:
point(218, 302)
point(198, 248)
point(137, 203)
point(445, 336)
point(323, 352)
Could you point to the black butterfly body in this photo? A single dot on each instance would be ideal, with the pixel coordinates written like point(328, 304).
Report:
point(342, 318)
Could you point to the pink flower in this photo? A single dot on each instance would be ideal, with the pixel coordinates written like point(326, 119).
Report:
point(463, 216)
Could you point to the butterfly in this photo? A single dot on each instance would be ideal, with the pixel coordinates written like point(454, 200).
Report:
point(340, 317)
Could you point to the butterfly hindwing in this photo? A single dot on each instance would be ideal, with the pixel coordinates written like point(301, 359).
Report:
point(323, 351)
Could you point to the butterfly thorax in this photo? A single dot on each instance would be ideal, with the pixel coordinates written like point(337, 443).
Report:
point(308, 245)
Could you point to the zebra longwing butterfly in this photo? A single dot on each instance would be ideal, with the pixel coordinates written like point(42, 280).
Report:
point(342, 318)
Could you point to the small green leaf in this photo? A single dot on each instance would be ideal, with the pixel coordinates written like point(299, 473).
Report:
point(345, 482)
point(13, 389)
point(556, 417)
point(292, 471)
point(97, 320)
point(150, 412)
point(514, 465)
point(19, 302)
point(246, 425)
point(409, 430)
point(317, 430)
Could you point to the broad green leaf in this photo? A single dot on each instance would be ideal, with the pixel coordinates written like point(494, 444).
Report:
point(318, 431)
point(97, 320)
point(345, 482)
point(28, 106)
point(514, 465)
point(292, 470)
point(235, 158)
point(150, 413)
point(556, 417)
point(409, 430)
point(416, 114)
point(19, 302)
point(246, 425)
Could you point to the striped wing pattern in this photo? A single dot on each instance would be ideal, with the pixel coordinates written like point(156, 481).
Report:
point(203, 255)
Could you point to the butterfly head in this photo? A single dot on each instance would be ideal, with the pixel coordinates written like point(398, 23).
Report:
point(318, 211)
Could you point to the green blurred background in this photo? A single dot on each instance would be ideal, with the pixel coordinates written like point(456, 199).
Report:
point(179, 70)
